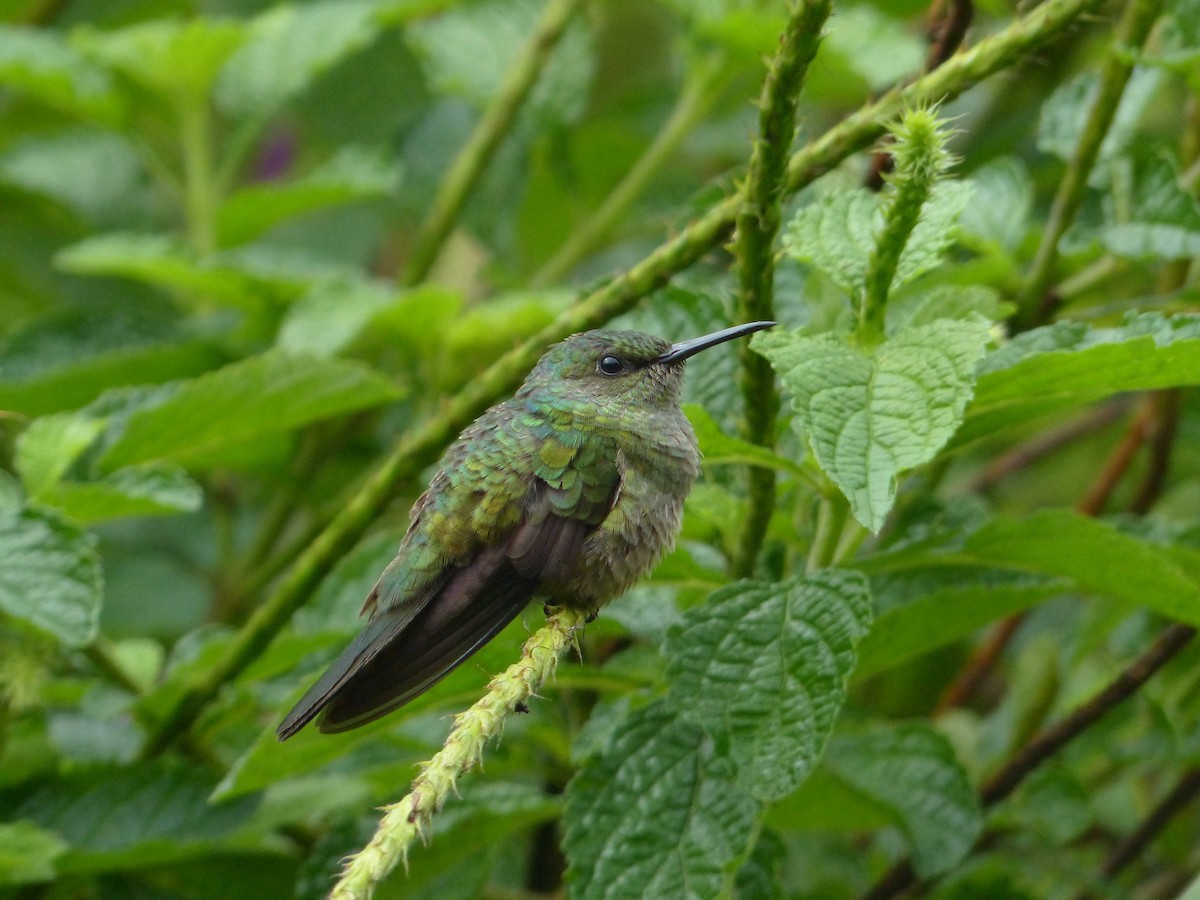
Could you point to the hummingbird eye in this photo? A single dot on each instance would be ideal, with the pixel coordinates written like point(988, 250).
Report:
point(611, 365)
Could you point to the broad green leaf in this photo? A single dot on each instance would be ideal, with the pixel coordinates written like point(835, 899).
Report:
point(871, 415)
point(719, 449)
point(97, 174)
point(467, 50)
point(133, 816)
point(149, 489)
point(48, 447)
point(911, 770)
point(66, 358)
point(174, 59)
point(354, 173)
point(334, 312)
point(658, 814)
point(945, 301)
point(837, 234)
point(1094, 555)
point(765, 665)
point(944, 614)
point(274, 392)
point(289, 47)
point(166, 261)
point(28, 853)
point(49, 575)
point(1069, 365)
point(39, 63)
point(1002, 204)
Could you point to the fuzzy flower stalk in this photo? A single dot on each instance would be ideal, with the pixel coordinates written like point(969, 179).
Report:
point(412, 817)
point(921, 157)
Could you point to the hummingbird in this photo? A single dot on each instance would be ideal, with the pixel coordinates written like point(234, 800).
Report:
point(571, 491)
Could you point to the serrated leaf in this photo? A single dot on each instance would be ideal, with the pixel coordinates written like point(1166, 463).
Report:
point(1164, 221)
point(39, 63)
point(354, 173)
point(870, 415)
point(837, 234)
point(177, 60)
point(49, 575)
point(945, 301)
point(274, 392)
point(911, 770)
point(766, 666)
point(1069, 365)
point(28, 853)
point(289, 47)
point(658, 814)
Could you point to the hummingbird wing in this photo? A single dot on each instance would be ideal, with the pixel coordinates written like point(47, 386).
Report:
point(429, 614)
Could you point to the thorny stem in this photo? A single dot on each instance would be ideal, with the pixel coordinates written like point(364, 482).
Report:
point(477, 152)
point(757, 225)
point(412, 817)
point(421, 447)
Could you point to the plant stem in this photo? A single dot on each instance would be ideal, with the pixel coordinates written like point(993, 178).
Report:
point(422, 446)
point(472, 159)
point(699, 92)
point(412, 817)
point(757, 225)
point(200, 187)
point(1033, 304)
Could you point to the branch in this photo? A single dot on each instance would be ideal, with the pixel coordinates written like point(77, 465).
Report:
point(421, 447)
point(472, 159)
point(757, 225)
point(412, 817)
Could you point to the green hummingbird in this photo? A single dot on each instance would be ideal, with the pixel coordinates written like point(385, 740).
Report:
point(571, 491)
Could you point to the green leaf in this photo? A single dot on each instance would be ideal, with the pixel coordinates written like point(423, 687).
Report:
point(719, 449)
point(837, 234)
point(658, 814)
point(1068, 365)
point(48, 447)
point(174, 59)
point(37, 62)
point(871, 415)
point(896, 52)
point(134, 816)
point(66, 358)
point(1094, 555)
point(911, 770)
point(354, 173)
point(467, 50)
point(274, 392)
point(945, 301)
point(765, 666)
point(28, 853)
point(936, 616)
point(151, 489)
point(49, 575)
point(1002, 204)
point(289, 47)
point(96, 174)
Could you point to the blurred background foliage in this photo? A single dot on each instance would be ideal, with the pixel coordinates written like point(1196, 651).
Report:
point(210, 333)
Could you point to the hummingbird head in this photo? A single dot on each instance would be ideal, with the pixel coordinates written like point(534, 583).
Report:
point(606, 367)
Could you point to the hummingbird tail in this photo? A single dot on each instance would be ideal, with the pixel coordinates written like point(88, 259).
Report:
point(402, 653)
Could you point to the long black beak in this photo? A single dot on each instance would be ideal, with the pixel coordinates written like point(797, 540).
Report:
point(682, 351)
